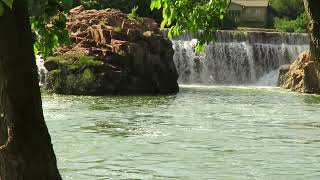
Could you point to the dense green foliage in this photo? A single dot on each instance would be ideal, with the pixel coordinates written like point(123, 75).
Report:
point(288, 9)
point(298, 25)
point(201, 18)
point(289, 15)
point(48, 23)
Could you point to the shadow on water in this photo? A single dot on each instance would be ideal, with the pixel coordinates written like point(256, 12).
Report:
point(312, 99)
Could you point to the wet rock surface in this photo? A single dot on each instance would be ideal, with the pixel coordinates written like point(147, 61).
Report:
point(303, 75)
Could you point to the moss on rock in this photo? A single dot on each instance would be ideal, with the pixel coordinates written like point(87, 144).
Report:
point(75, 73)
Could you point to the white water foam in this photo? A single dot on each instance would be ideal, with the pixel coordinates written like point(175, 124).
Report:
point(238, 58)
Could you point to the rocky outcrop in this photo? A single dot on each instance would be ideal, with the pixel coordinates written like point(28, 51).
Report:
point(135, 57)
point(303, 75)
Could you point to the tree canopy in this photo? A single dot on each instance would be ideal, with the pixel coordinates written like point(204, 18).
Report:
point(201, 18)
point(288, 9)
point(289, 15)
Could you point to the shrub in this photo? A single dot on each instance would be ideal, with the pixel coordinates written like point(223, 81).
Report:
point(298, 25)
point(76, 74)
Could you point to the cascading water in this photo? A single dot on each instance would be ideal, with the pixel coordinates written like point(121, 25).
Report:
point(238, 57)
point(42, 71)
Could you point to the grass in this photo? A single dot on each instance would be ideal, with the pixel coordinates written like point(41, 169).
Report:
point(256, 29)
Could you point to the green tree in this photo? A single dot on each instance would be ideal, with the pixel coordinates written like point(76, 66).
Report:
point(288, 9)
point(298, 25)
point(201, 18)
point(289, 15)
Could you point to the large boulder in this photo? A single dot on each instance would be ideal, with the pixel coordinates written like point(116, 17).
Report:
point(132, 54)
point(303, 75)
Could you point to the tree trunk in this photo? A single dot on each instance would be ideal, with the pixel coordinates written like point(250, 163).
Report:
point(26, 152)
point(313, 12)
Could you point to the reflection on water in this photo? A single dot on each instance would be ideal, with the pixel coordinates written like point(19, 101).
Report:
point(312, 99)
point(201, 133)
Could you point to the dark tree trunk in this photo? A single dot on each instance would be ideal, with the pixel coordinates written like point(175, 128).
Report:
point(26, 151)
point(313, 11)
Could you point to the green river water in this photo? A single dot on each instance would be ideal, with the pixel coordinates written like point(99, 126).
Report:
point(228, 133)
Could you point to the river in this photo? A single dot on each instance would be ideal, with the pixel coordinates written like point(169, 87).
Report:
point(204, 132)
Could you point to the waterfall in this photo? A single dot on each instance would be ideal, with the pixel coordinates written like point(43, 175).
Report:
point(42, 71)
point(250, 58)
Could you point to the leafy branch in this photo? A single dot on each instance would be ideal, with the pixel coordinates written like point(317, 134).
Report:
point(198, 17)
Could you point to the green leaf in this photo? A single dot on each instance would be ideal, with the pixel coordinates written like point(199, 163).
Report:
point(163, 24)
point(199, 47)
point(170, 33)
point(8, 3)
point(1, 9)
point(67, 3)
point(152, 5)
point(155, 4)
point(35, 50)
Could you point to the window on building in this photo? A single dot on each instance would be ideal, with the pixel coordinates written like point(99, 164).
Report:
point(253, 12)
point(258, 12)
point(234, 13)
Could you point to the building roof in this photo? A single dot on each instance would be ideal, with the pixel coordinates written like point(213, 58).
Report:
point(252, 3)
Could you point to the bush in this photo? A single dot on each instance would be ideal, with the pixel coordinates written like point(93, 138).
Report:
point(298, 25)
